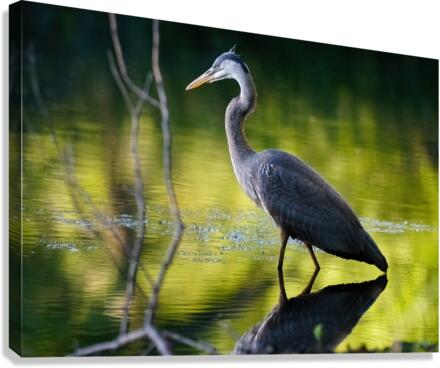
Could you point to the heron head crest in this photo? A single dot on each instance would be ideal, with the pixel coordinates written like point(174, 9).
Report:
point(227, 66)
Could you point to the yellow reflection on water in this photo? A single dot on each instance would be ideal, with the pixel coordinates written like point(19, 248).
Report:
point(376, 153)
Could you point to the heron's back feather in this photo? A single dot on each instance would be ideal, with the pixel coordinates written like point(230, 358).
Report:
point(309, 209)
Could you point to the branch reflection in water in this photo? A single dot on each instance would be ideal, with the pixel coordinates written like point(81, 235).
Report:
point(311, 322)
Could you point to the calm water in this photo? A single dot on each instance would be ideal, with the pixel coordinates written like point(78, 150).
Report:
point(366, 121)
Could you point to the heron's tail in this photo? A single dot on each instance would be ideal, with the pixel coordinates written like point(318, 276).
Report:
point(372, 253)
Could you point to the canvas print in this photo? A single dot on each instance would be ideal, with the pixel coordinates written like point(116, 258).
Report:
point(186, 190)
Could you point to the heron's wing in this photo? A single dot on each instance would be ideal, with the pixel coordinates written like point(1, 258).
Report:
point(301, 202)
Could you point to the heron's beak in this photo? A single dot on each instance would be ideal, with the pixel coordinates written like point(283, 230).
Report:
point(206, 77)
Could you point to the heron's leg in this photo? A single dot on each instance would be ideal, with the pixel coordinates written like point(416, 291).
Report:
point(283, 295)
point(308, 288)
point(315, 261)
point(284, 238)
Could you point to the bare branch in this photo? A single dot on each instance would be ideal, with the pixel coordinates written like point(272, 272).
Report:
point(124, 83)
point(157, 338)
point(118, 79)
point(149, 332)
point(120, 75)
point(175, 211)
point(65, 154)
point(199, 345)
point(141, 93)
point(66, 158)
point(35, 85)
point(140, 228)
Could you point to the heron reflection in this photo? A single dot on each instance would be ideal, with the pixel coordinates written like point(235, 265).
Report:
point(311, 322)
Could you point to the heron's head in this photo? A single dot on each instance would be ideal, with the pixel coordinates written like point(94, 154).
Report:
point(227, 66)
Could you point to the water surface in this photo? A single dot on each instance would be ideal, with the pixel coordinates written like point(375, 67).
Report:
point(366, 121)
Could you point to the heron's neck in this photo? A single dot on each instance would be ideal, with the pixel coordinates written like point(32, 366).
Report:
point(237, 111)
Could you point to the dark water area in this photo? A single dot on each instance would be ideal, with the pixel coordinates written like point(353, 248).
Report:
point(366, 121)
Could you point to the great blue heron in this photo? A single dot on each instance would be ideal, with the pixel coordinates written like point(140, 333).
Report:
point(302, 203)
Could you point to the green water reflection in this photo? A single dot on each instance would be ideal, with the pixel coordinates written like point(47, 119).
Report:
point(366, 121)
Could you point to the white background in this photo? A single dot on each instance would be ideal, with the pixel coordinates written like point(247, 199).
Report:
point(406, 27)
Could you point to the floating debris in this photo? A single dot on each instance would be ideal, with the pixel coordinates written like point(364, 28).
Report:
point(236, 236)
point(63, 246)
point(390, 227)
